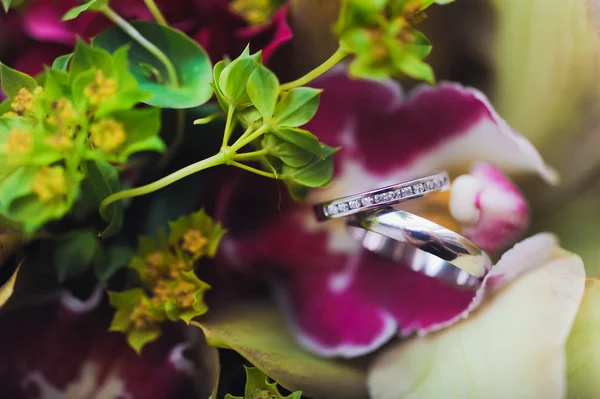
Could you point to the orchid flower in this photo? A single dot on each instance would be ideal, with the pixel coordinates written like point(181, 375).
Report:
point(343, 301)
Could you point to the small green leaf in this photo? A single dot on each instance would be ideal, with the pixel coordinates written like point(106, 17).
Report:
point(103, 180)
point(92, 5)
point(6, 4)
point(87, 58)
point(297, 107)
point(193, 66)
point(263, 90)
point(317, 173)
point(300, 137)
point(417, 69)
point(74, 254)
point(6, 289)
point(234, 78)
point(289, 153)
point(62, 62)
point(258, 386)
point(111, 260)
point(13, 81)
point(138, 338)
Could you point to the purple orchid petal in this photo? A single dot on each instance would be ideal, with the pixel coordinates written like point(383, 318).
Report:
point(63, 349)
point(340, 300)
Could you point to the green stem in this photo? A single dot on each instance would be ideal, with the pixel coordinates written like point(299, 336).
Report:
point(228, 126)
point(177, 141)
point(242, 141)
point(318, 71)
point(155, 11)
point(248, 156)
point(218, 159)
point(254, 170)
point(145, 43)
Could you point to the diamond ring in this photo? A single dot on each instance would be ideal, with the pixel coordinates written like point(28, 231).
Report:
point(384, 196)
point(421, 245)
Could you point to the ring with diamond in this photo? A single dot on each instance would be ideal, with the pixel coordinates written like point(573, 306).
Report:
point(421, 245)
point(384, 196)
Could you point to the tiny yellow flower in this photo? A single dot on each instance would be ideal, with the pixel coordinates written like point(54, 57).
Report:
point(23, 102)
point(193, 241)
point(101, 89)
point(50, 182)
point(255, 12)
point(181, 292)
point(174, 268)
point(107, 134)
point(62, 116)
point(9, 114)
point(59, 141)
point(140, 316)
point(19, 140)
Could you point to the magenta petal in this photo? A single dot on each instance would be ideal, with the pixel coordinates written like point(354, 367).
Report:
point(63, 349)
point(437, 127)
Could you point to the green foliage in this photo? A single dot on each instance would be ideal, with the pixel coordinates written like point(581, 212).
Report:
point(191, 62)
point(74, 254)
point(258, 386)
point(62, 62)
point(380, 35)
point(102, 180)
point(6, 4)
point(73, 127)
point(92, 5)
point(110, 260)
point(13, 81)
point(272, 118)
point(171, 289)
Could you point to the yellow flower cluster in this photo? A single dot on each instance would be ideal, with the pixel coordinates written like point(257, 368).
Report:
point(193, 241)
point(140, 316)
point(50, 183)
point(19, 140)
point(255, 12)
point(107, 134)
point(23, 102)
point(101, 89)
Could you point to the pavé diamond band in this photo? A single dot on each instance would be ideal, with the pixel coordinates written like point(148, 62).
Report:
point(421, 245)
point(384, 196)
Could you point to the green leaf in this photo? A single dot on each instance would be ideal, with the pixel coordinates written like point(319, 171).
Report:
point(258, 332)
point(74, 254)
point(62, 62)
point(297, 107)
point(92, 5)
point(138, 338)
point(13, 81)
point(6, 289)
point(317, 173)
point(6, 4)
point(103, 180)
point(289, 154)
point(263, 90)
point(300, 137)
point(417, 69)
point(358, 13)
point(193, 66)
point(111, 260)
point(258, 386)
point(87, 58)
point(234, 78)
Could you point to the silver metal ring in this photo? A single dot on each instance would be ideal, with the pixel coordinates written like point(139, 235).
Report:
point(421, 245)
point(377, 198)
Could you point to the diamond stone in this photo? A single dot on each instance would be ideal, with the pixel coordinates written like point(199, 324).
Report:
point(354, 204)
point(343, 207)
point(379, 198)
point(389, 196)
point(430, 185)
point(418, 188)
point(367, 201)
point(332, 209)
point(398, 194)
point(406, 191)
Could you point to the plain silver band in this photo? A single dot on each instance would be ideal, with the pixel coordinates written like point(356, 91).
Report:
point(389, 195)
point(422, 245)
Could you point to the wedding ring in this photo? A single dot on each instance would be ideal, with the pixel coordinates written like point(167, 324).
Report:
point(421, 245)
point(384, 196)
